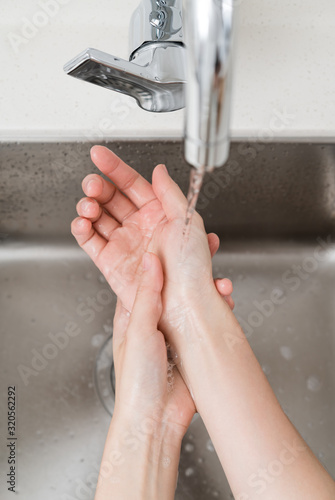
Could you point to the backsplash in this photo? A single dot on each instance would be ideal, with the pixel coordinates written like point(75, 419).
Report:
point(283, 82)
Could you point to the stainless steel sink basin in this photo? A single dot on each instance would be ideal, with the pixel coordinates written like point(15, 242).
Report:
point(273, 207)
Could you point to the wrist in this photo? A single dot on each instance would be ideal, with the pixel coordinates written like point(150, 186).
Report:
point(151, 434)
point(189, 318)
point(140, 459)
point(202, 335)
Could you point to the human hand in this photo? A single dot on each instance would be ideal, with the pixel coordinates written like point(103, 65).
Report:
point(147, 385)
point(152, 410)
point(115, 230)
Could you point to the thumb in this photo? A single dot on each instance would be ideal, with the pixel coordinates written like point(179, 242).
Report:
point(147, 308)
point(170, 195)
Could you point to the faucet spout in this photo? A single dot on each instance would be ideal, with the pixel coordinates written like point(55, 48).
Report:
point(160, 67)
point(208, 29)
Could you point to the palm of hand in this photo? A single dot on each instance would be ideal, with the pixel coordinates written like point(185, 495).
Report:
point(159, 393)
point(120, 260)
point(115, 230)
point(147, 229)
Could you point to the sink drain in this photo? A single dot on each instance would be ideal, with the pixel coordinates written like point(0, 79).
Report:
point(104, 376)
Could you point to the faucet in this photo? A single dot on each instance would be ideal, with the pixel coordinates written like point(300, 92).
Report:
point(178, 58)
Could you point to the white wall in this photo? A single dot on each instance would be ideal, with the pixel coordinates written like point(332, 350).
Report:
point(284, 83)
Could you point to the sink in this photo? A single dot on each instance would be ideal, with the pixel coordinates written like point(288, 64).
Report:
point(273, 208)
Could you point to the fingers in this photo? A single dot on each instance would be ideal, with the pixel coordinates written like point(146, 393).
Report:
point(107, 195)
point(225, 288)
point(87, 237)
point(169, 194)
point(130, 182)
point(104, 224)
point(147, 308)
point(230, 302)
point(213, 243)
point(89, 208)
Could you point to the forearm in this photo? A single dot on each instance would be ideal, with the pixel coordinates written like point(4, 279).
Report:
point(140, 461)
point(260, 450)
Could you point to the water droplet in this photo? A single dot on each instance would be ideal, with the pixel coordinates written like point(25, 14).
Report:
point(108, 329)
point(286, 352)
point(166, 462)
point(313, 383)
point(97, 340)
point(266, 369)
point(209, 446)
point(189, 447)
point(189, 472)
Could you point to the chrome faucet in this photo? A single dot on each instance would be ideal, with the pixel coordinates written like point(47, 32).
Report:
point(160, 65)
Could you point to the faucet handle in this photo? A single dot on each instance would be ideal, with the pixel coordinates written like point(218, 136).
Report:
point(146, 78)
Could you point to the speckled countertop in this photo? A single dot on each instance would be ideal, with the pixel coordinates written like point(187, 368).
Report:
point(284, 72)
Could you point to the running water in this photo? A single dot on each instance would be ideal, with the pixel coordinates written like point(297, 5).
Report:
point(196, 180)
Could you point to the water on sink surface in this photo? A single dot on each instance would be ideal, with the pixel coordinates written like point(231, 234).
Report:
point(61, 402)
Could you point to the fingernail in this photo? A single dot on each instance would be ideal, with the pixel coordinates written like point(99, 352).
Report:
point(90, 184)
point(166, 170)
point(146, 263)
point(85, 204)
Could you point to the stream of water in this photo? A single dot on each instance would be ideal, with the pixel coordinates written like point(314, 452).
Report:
point(196, 180)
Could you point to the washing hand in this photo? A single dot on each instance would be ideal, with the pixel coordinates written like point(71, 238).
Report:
point(120, 220)
point(116, 230)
